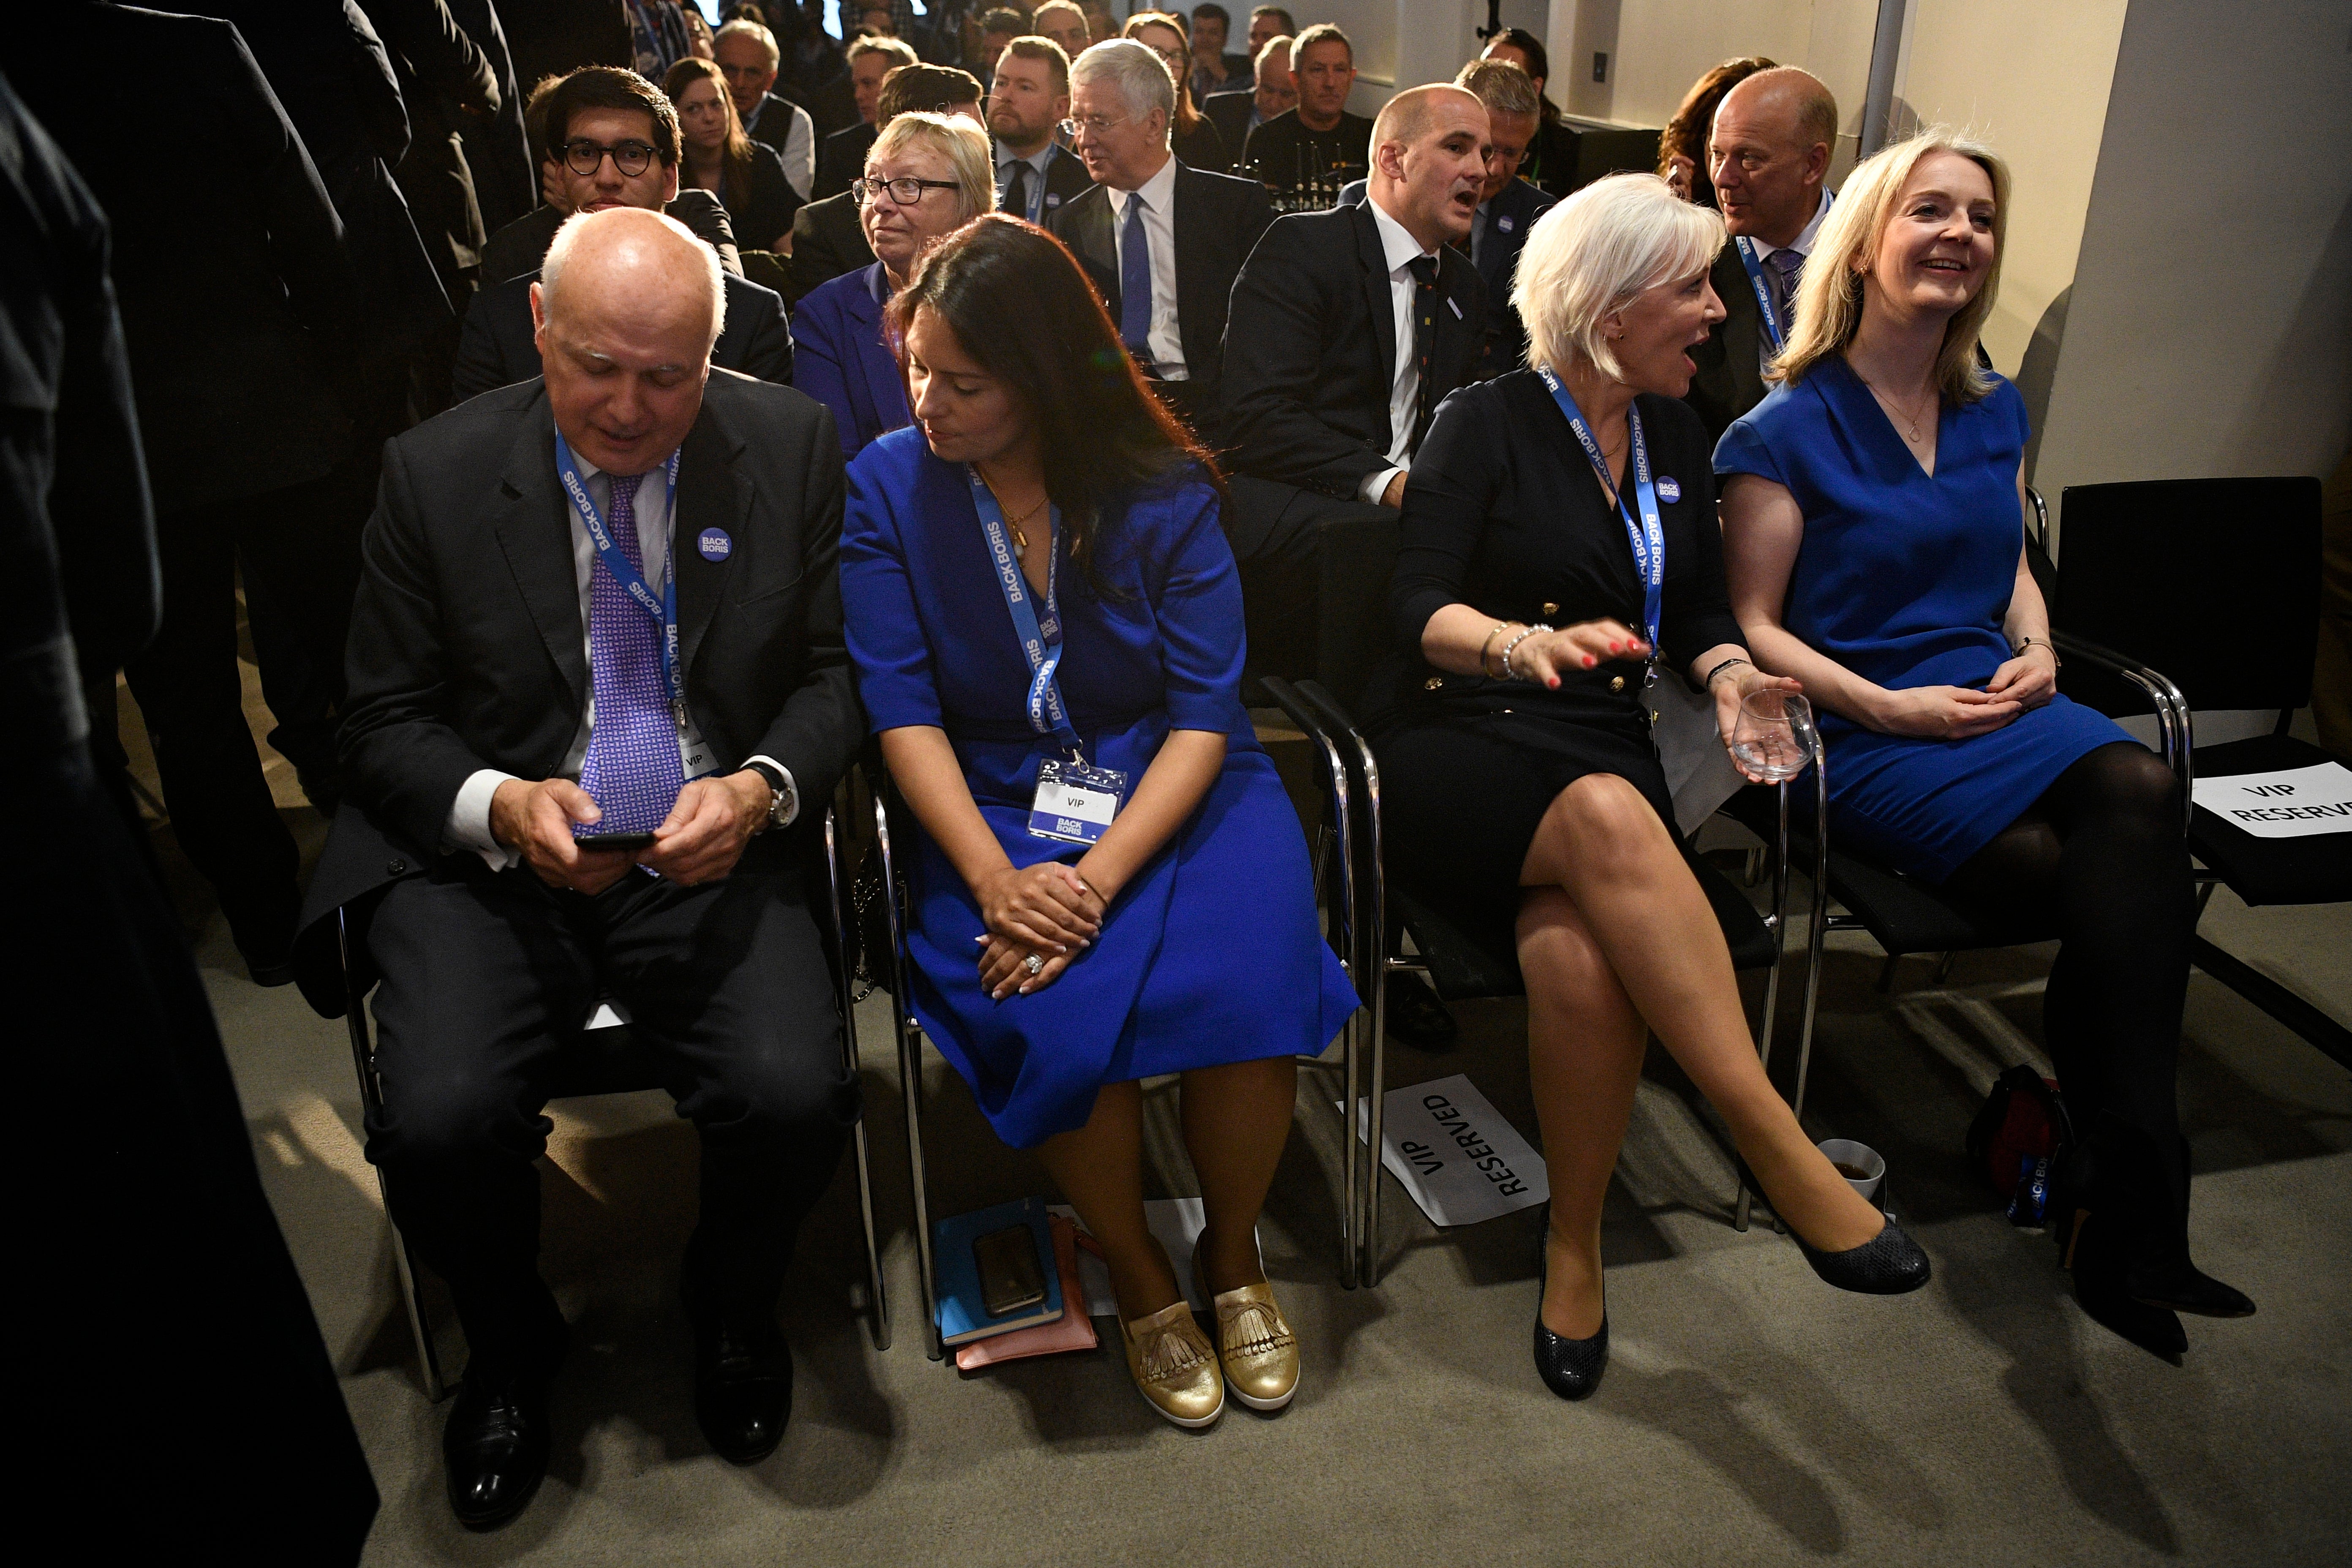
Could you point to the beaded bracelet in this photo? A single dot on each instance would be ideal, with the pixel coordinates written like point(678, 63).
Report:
point(1525, 633)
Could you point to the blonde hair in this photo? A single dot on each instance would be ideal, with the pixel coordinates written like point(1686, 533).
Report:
point(963, 144)
point(1830, 292)
point(1594, 252)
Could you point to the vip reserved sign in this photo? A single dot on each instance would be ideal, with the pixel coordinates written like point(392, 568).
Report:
point(1454, 1153)
point(2296, 802)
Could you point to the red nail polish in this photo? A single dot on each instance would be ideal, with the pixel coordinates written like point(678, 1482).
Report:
point(1587, 661)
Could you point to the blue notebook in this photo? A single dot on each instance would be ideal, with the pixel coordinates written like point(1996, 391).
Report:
point(963, 1316)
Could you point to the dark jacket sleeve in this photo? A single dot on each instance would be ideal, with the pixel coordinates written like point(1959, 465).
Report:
point(820, 727)
point(1452, 487)
point(306, 237)
point(767, 350)
point(1273, 347)
point(375, 88)
point(436, 49)
point(481, 364)
point(813, 259)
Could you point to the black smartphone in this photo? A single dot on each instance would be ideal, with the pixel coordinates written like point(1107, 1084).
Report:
point(1011, 1276)
point(614, 840)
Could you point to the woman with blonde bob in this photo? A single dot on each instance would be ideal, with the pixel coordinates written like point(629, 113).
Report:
point(1523, 795)
point(1873, 515)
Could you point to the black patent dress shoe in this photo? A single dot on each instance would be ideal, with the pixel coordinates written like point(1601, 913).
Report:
point(1416, 1016)
point(1888, 1264)
point(494, 1448)
point(1569, 1368)
point(742, 1389)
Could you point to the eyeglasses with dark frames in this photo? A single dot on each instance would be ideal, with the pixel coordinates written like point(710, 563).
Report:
point(585, 157)
point(906, 190)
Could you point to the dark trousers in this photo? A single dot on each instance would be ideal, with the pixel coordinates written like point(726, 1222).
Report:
point(487, 976)
point(1315, 579)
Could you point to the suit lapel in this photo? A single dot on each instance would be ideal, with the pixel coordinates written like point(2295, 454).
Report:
point(1373, 262)
point(1461, 322)
point(1185, 223)
point(709, 495)
point(1097, 244)
point(1743, 325)
point(534, 527)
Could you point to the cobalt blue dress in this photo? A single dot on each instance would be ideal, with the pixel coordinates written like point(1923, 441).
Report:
point(1904, 578)
point(1212, 953)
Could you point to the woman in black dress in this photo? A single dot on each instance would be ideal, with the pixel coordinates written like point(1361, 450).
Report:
point(1521, 789)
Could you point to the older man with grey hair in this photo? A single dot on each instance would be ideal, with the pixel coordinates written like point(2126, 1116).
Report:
point(1162, 241)
point(598, 695)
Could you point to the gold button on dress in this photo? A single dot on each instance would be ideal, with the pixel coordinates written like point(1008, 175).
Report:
point(1616, 683)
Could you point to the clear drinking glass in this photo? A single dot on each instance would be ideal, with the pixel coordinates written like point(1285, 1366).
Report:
point(1773, 738)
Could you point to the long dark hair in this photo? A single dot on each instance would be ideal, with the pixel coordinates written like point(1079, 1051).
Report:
point(735, 151)
point(1688, 132)
point(1018, 302)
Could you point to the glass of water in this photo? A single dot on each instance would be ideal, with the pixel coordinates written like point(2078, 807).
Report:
point(1774, 738)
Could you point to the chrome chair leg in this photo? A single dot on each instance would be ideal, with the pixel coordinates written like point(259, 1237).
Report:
point(1742, 1207)
point(909, 1037)
point(877, 1319)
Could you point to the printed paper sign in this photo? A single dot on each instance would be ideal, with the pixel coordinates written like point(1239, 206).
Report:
point(2292, 803)
point(1454, 1153)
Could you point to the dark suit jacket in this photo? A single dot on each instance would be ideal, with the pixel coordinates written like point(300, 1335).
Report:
point(1065, 179)
point(1310, 350)
point(827, 241)
point(1218, 220)
point(467, 651)
point(439, 66)
point(497, 150)
point(234, 289)
point(518, 248)
point(1509, 218)
point(841, 158)
point(496, 348)
point(1729, 379)
point(1230, 113)
point(839, 358)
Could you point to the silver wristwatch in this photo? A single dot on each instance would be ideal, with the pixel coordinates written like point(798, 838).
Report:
point(780, 792)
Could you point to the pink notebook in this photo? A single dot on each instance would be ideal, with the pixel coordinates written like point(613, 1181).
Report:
point(1073, 1331)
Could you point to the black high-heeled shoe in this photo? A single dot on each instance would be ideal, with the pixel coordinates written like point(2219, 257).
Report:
point(2095, 1257)
point(1888, 1264)
point(1569, 1368)
point(2125, 1236)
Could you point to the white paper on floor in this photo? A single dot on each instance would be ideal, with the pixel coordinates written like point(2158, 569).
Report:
point(2293, 803)
point(1454, 1153)
point(1176, 1222)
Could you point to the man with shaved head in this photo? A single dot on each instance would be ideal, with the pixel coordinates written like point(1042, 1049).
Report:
point(598, 698)
point(1767, 152)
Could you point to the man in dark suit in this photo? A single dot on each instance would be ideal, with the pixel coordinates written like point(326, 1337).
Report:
point(236, 297)
point(1164, 242)
point(511, 689)
point(1237, 112)
point(841, 156)
point(1348, 328)
point(827, 238)
point(1767, 154)
point(171, 1209)
point(613, 138)
point(1027, 101)
point(1320, 135)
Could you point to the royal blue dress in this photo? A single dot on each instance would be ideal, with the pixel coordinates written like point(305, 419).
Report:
point(1211, 954)
point(1904, 578)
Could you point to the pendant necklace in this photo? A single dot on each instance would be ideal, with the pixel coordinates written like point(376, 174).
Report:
point(1910, 424)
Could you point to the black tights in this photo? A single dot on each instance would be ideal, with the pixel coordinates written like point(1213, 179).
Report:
point(2104, 844)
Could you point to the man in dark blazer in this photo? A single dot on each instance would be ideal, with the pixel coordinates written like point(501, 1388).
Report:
point(1028, 98)
point(445, 80)
point(827, 238)
point(508, 690)
point(1347, 329)
point(1123, 104)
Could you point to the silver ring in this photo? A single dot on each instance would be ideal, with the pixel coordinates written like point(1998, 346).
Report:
point(1034, 965)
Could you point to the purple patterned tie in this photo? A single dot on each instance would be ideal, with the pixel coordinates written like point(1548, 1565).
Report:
point(632, 769)
point(1787, 265)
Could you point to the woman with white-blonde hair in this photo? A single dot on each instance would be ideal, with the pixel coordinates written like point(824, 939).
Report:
point(1874, 520)
point(1559, 544)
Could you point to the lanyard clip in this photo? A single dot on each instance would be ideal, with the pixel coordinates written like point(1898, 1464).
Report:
point(678, 712)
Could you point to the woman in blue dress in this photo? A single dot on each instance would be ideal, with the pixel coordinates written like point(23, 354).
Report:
point(1034, 576)
point(1872, 512)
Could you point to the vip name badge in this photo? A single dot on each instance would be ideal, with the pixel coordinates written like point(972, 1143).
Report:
point(1075, 802)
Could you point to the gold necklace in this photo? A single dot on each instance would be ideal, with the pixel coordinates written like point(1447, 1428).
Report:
point(1911, 425)
point(1020, 539)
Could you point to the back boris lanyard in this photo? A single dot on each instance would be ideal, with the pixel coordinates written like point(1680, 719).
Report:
point(1647, 536)
point(1075, 802)
point(662, 607)
point(1763, 293)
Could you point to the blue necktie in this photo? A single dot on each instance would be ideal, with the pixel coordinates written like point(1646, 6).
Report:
point(1135, 285)
point(632, 770)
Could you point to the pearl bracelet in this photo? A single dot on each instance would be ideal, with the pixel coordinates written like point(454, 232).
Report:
point(1525, 633)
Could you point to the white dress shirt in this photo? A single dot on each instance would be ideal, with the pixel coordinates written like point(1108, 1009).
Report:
point(468, 826)
point(1398, 249)
point(1803, 245)
point(1166, 339)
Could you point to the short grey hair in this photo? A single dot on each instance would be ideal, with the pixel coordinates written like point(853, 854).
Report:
point(757, 32)
point(1594, 252)
point(1139, 73)
point(1502, 85)
point(551, 267)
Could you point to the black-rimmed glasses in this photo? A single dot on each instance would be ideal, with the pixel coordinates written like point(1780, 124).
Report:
point(906, 190)
point(585, 157)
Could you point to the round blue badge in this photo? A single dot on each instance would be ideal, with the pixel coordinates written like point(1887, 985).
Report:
point(1668, 490)
point(1503, 223)
point(714, 544)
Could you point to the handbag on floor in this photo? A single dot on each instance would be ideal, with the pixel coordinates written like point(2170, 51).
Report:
point(2019, 1138)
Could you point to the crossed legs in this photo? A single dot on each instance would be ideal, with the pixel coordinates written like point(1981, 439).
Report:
point(1617, 941)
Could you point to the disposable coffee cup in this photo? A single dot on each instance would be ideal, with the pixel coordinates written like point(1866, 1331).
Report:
point(1850, 1157)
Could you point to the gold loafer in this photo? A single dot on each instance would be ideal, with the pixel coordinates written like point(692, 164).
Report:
point(1173, 1366)
point(1256, 1348)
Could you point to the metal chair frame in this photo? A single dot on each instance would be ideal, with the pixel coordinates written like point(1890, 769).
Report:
point(436, 1385)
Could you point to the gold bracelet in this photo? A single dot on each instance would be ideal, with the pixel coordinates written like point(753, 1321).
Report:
point(1487, 647)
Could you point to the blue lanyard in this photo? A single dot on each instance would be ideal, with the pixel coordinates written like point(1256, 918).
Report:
point(1763, 294)
point(1042, 644)
point(1648, 537)
point(664, 608)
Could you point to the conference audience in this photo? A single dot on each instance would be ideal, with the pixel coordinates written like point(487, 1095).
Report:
point(1766, 153)
point(1320, 137)
point(1681, 146)
point(747, 53)
point(1194, 139)
point(998, 25)
point(1027, 103)
point(1062, 22)
point(1269, 22)
point(927, 176)
point(1873, 518)
point(1551, 163)
point(715, 155)
point(829, 235)
point(1055, 974)
point(657, 37)
point(1162, 241)
point(520, 752)
point(1210, 70)
point(615, 137)
point(842, 154)
point(1533, 608)
point(1238, 112)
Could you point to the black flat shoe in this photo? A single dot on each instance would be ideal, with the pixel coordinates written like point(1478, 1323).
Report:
point(1569, 1368)
point(494, 1448)
point(1888, 1264)
point(1416, 1016)
point(742, 1389)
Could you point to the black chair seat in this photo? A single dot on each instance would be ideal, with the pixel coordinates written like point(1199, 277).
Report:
point(2312, 870)
point(610, 1061)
